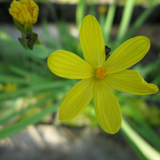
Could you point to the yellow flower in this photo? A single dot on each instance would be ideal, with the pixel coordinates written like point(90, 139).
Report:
point(9, 87)
point(102, 9)
point(24, 11)
point(99, 75)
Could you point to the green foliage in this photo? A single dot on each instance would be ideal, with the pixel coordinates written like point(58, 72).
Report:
point(20, 105)
point(29, 91)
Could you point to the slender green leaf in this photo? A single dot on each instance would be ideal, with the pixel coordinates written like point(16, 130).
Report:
point(92, 9)
point(126, 17)
point(37, 88)
point(140, 125)
point(124, 24)
point(147, 150)
point(24, 110)
point(7, 78)
point(109, 21)
point(17, 127)
point(80, 12)
point(141, 19)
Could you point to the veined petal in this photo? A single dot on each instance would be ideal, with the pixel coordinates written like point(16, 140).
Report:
point(77, 99)
point(130, 82)
point(92, 42)
point(68, 65)
point(107, 108)
point(127, 54)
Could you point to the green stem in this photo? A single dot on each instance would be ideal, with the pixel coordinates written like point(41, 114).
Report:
point(28, 28)
point(126, 17)
point(148, 151)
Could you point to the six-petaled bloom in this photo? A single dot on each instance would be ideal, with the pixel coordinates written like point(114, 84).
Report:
point(24, 11)
point(99, 75)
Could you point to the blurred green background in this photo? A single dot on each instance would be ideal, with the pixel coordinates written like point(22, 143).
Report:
point(31, 94)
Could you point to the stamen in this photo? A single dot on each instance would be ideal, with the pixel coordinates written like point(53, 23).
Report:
point(101, 73)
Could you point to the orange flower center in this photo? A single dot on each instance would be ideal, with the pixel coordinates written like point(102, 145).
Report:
point(101, 73)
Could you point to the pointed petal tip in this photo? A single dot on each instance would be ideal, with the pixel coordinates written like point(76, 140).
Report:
point(115, 129)
point(61, 118)
point(107, 108)
point(64, 117)
point(146, 39)
point(130, 81)
point(76, 100)
point(127, 54)
point(89, 17)
point(155, 89)
point(143, 40)
point(92, 41)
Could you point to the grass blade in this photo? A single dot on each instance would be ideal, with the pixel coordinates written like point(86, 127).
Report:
point(147, 151)
point(10, 130)
point(109, 21)
point(80, 12)
point(141, 19)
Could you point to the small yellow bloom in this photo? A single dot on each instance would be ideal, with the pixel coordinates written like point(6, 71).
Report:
point(100, 75)
point(9, 87)
point(102, 9)
point(24, 11)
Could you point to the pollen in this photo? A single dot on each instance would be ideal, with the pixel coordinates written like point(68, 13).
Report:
point(101, 73)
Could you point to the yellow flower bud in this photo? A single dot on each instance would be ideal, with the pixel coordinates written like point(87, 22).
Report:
point(24, 11)
point(102, 9)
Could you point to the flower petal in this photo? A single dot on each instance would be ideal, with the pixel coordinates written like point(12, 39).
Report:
point(127, 54)
point(68, 65)
point(130, 82)
point(77, 99)
point(107, 108)
point(92, 42)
